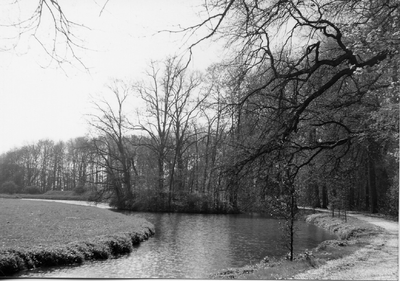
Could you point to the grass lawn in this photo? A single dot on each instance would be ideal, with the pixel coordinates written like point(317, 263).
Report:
point(28, 223)
point(51, 194)
point(32, 229)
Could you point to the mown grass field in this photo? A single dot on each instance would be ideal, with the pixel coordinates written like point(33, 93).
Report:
point(35, 233)
point(51, 194)
point(28, 223)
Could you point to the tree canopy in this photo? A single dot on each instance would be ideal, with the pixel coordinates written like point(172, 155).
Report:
point(303, 110)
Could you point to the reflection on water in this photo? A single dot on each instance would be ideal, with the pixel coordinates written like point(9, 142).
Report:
point(195, 246)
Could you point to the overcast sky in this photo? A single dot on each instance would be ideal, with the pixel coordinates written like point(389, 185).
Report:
point(39, 101)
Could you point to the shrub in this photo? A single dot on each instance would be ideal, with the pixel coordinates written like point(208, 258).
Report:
point(32, 190)
point(79, 190)
point(149, 200)
point(391, 201)
point(9, 187)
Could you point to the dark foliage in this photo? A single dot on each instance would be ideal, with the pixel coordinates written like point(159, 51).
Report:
point(9, 187)
point(31, 190)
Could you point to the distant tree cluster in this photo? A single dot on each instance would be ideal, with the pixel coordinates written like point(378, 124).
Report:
point(46, 165)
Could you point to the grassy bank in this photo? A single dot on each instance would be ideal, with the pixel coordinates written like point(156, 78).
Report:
point(51, 195)
point(352, 235)
point(34, 234)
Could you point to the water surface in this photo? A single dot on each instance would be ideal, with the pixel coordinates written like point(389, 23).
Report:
point(195, 246)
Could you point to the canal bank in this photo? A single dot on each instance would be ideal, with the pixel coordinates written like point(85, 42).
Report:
point(200, 230)
point(188, 246)
point(36, 234)
point(377, 260)
point(366, 249)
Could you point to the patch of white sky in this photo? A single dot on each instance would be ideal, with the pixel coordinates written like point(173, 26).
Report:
point(39, 100)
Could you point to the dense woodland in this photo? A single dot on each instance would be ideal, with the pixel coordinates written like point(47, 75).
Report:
point(304, 111)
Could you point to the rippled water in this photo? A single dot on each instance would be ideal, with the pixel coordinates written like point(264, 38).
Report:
point(195, 246)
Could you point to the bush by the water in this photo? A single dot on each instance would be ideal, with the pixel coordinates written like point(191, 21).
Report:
point(9, 187)
point(153, 201)
point(79, 190)
point(31, 190)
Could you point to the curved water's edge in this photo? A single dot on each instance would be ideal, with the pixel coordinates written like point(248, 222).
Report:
point(238, 272)
point(193, 246)
point(348, 234)
point(13, 261)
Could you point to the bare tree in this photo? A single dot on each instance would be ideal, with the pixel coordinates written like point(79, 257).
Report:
point(158, 96)
point(185, 109)
point(112, 143)
point(295, 59)
point(290, 43)
point(46, 147)
point(35, 19)
point(78, 155)
point(171, 106)
point(30, 160)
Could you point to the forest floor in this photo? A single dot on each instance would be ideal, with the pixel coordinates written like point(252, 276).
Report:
point(35, 233)
point(366, 249)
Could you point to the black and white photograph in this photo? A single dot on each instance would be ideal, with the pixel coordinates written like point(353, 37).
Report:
point(199, 139)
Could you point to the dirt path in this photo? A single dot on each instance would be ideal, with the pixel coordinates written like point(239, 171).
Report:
point(377, 261)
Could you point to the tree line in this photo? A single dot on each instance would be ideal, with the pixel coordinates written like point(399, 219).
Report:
point(305, 112)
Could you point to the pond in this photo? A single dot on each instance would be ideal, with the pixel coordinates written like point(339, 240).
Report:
point(195, 246)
